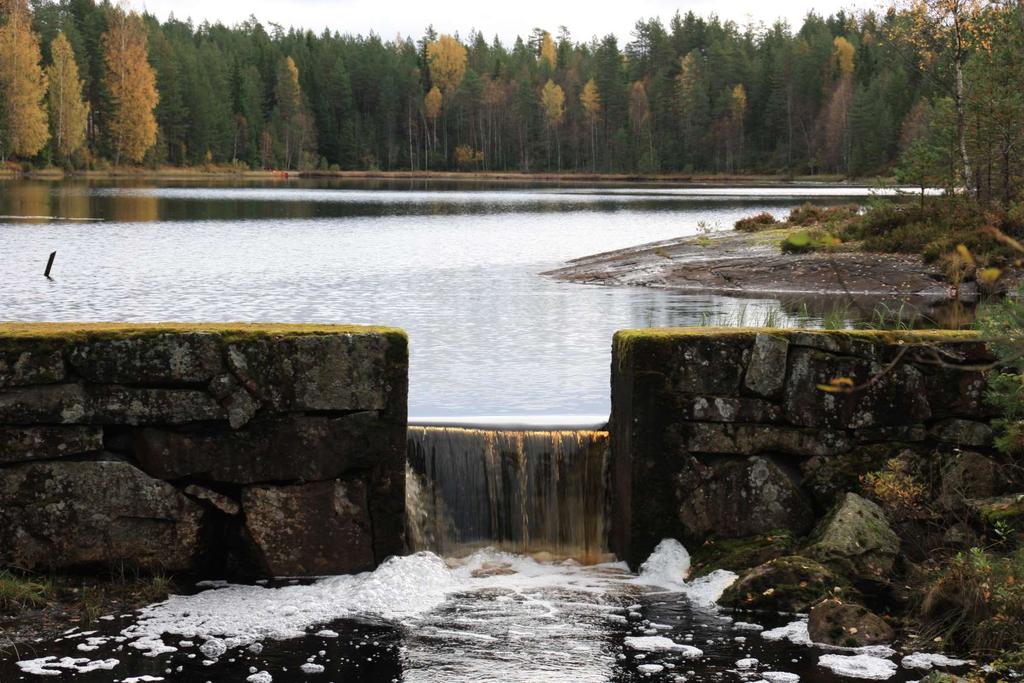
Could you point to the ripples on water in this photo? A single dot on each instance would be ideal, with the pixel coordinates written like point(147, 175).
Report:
point(454, 264)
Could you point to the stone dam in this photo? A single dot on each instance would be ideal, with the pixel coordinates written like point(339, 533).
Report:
point(285, 450)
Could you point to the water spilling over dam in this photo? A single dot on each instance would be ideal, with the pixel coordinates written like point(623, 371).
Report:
point(521, 490)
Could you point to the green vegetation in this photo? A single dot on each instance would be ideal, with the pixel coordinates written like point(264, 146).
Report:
point(837, 96)
point(79, 599)
point(977, 603)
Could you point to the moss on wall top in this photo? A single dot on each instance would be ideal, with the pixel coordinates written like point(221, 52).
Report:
point(75, 331)
point(626, 337)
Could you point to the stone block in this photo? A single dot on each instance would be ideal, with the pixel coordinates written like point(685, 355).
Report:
point(310, 529)
point(20, 444)
point(766, 372)
point(962, 433)
point(24, 366)
point(64, 515)
point(106, 404)
point(161, 359)
point(745, 439)
point(274, 449)
point(739, 498)
point(317, 372)
point(884, 396)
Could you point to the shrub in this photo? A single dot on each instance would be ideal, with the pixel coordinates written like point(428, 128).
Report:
point(897, 488)
point(809, 214)
point(804, 241)
point(977, 602)
point(758, 222)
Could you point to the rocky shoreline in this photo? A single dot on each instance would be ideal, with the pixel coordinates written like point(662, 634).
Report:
point(747, 264)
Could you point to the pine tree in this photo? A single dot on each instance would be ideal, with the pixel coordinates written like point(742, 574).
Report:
point(23, 125)
point(130, 80)
point(68, 113)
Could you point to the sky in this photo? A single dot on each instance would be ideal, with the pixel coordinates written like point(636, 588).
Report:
point(505, 18)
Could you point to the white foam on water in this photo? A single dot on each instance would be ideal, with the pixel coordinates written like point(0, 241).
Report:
point(652, 643)
point(795, 632)
point(402, 587)
point(142, 679)
point(927, 660)
point(51, 666)
point(668, 565)
point(859, 666)
point(650, 668)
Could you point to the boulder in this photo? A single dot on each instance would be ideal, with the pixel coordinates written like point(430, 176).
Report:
point(310, 529)
point(20, 444)
point(106, 404)
point(766, 372)
point(178, 358)
point(785, 584)
point(740, 498)
point(1002, 510)
point(890, 396)
point(847, 624)
point(317, 372)
point(856, 540)
point(969, 475)
point(740, 554)
point(278, 448)
point(24, 366)
point(74, 514)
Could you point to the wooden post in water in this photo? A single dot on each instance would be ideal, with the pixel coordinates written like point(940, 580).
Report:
point(49, 264)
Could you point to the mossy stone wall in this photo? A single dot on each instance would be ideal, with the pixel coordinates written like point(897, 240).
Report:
point(223, 448)
point(727, 433)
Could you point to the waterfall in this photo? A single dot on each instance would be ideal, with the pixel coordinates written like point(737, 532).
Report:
point(521, 490)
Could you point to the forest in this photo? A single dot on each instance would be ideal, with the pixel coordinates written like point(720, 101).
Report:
point(929, 90)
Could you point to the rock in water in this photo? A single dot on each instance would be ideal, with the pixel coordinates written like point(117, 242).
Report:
point(785, 584)
point(847, 624)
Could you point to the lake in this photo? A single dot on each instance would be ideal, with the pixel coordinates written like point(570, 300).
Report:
point(456, 264)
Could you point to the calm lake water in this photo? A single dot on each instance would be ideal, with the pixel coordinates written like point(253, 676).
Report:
point(456, 264)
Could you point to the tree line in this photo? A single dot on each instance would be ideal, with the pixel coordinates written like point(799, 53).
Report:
point(932, 88)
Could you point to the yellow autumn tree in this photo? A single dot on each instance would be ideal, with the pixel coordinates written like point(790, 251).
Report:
point(590, 100)
point(834, 124)
point(447, 60)
point(68, 113)
point(432, 108)
point(548, 55)
point(737, 115)
point(552, 101)
point(23, 129)
point(842, 56)
point(289, 109)
point(131, 128)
